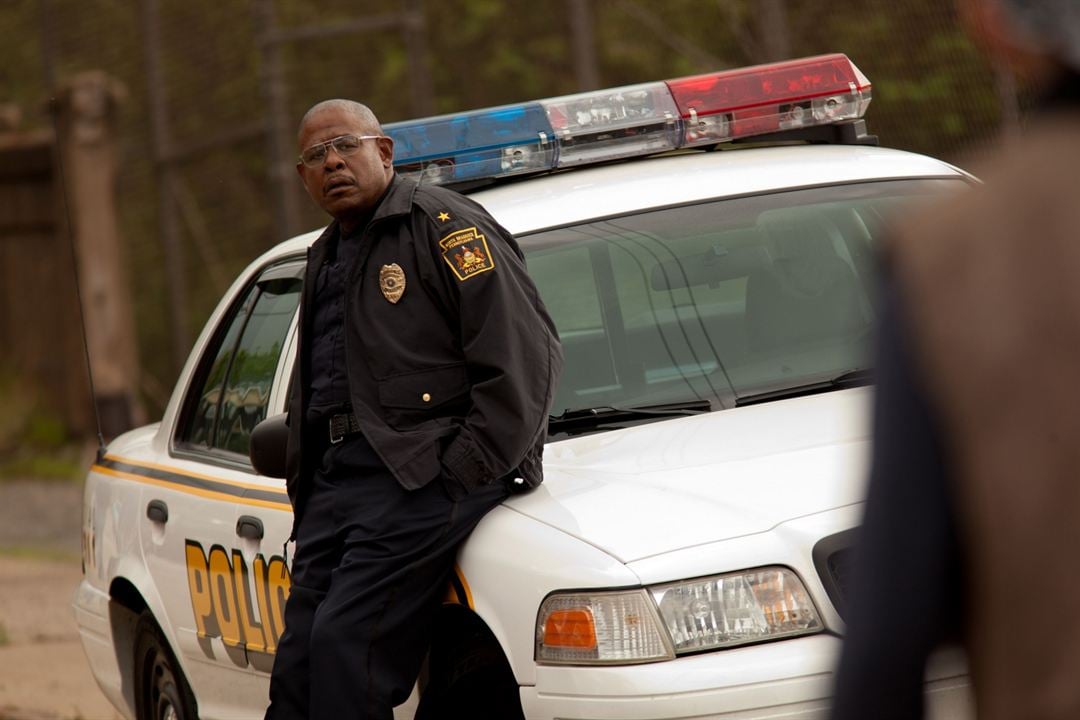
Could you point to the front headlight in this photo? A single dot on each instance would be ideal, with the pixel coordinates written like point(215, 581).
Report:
point(736, 609)
point(646, 625)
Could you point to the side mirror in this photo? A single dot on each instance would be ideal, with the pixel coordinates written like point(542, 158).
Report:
point(267, 448)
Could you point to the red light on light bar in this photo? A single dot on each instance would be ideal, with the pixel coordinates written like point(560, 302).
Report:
point(767, 98)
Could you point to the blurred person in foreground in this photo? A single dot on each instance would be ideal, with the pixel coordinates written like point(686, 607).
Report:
point(972, 524)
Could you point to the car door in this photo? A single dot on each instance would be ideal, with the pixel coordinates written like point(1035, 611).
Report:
point(263, 553)
point(224, 604)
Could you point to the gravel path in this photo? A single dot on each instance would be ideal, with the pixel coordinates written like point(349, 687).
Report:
point(41, 515)
point(43, 671)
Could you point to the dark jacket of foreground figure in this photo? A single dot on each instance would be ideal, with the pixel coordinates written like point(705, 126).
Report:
point(971, 521)
point(455, 379)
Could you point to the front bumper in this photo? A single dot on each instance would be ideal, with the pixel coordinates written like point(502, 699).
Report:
point(92, 615)
point(790, 679)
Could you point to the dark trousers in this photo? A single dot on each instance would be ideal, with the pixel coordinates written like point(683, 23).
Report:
point(372, 564)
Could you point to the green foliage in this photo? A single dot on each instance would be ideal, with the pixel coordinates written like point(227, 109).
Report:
point(21, 61)
point(37, 553)
point(33, 442)
point(61, 464)
point(933, 93)
point(42, 452)
point(45, 431)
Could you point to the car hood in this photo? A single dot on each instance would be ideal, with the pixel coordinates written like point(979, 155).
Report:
point(672, 484)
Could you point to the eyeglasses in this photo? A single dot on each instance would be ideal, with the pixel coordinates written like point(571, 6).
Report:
point(344, 145)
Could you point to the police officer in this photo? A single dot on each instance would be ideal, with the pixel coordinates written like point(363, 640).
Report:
point(427, 365)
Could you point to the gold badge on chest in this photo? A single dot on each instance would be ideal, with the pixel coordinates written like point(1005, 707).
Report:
point(392, 282)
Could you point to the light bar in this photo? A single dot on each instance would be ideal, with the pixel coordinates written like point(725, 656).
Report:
point(612, 124)
point(484, 143)
point(750, 101)
point(630, 121)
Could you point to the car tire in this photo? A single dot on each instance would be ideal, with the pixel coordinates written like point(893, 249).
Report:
point(472, 681)
point(161, 691)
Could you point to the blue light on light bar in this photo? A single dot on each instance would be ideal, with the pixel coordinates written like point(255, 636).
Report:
point(480, 144)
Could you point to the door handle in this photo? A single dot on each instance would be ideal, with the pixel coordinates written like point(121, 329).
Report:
point(157, 511)
point(250, 527)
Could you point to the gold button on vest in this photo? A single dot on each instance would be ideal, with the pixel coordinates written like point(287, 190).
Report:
point(426, 397)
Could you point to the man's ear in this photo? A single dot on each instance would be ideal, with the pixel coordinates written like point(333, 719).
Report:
point(386, 150)
point(300, 170)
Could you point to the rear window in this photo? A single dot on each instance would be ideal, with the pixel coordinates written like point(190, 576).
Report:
point(231, 388)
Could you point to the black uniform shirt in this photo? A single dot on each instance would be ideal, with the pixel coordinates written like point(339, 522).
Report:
point(329, 376)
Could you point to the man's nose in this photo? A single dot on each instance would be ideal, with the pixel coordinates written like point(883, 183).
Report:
point(333, 161)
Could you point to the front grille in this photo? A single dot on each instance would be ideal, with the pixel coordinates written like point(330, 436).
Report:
point(833, 559)
point(839, 564)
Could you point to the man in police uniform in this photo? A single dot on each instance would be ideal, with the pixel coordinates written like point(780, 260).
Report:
point(427, 366)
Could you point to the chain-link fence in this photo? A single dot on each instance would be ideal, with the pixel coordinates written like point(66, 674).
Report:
point(215, 89)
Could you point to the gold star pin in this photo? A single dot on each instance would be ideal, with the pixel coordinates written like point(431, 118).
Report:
point(444, 216)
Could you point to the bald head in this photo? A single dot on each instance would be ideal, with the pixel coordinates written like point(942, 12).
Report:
point(366, 119)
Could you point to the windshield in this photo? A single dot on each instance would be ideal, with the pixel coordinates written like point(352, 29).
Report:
point(718, 300)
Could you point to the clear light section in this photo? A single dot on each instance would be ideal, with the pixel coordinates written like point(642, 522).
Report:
point(612, 124)
point(626, 624)
point(824, 111)
point(768, 98)
point(707, 130)
point(487, 143)
point(736, 609)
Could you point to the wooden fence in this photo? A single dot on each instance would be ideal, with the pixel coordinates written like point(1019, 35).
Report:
point(58, 202)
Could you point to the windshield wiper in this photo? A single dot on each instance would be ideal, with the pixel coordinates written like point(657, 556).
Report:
point(850, 379)
point(577, 420)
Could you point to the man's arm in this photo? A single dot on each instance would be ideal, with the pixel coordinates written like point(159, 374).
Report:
point(510, 345)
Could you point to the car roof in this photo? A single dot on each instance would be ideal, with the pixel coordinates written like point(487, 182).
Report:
point(618, 189)
point(572, 196)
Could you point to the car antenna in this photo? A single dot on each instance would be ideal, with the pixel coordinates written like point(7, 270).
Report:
point(58, 156)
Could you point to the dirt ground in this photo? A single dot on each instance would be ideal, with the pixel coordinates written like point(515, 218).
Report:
point(44, 674)
point(43, 671)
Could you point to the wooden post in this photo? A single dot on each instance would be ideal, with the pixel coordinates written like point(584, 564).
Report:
point(86, 124)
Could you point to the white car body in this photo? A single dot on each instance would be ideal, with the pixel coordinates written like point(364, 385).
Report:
point(673, 499)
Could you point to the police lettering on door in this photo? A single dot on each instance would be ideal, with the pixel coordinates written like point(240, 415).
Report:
point(243, 606)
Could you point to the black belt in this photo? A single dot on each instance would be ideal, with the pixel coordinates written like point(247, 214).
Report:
point(342, 426)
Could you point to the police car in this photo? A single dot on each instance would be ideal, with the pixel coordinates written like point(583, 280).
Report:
point(705, 246)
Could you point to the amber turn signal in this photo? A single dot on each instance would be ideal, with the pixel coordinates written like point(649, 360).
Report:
point(570, 629)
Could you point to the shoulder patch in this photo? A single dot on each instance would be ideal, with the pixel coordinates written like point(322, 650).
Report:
point(466, 252)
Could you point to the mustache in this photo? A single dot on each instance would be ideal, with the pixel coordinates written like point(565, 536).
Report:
point(335, 180)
